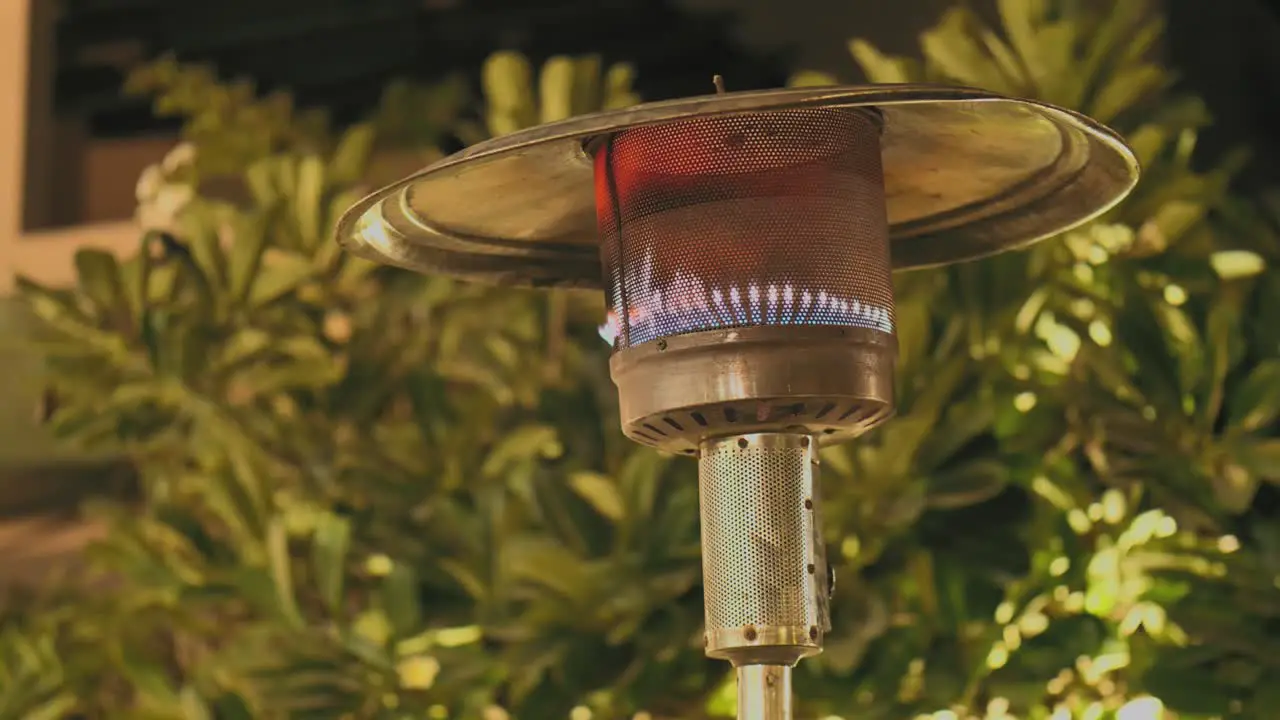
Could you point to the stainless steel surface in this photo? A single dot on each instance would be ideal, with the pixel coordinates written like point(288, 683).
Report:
point(763, 578)
point(967, 173)
point(831, 382)
point(797, 194)
point(764, 692)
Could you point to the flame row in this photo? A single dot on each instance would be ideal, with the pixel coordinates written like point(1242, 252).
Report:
point(686, 304)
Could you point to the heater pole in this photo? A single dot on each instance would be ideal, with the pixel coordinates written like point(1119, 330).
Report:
point(764, 692)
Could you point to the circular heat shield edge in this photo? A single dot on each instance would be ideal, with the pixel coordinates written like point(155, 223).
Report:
point(968, 173)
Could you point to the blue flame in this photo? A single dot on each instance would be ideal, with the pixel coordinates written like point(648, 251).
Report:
point(687, 305)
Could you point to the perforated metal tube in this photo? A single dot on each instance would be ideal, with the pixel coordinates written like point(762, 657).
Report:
point(742, 220)
point(764, 574)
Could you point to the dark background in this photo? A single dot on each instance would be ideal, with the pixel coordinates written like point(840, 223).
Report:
point(340, 53)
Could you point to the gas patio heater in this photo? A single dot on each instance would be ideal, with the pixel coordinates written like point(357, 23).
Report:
point(744, 242)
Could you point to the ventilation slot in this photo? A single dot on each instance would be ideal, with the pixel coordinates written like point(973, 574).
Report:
point(825, 409)
point(789, 411)
point(853, 409)
point(654, 430)
point(672, 423)
point(699, 418)
point(730, 415)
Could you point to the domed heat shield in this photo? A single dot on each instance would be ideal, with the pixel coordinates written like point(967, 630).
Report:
point(751, 251)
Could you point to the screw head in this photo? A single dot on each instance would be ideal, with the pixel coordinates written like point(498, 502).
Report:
point(662, 344)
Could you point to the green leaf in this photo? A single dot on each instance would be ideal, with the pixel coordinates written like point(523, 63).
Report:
point(1005, 59)
point(555, 91)
point(351, 157)
point(243, 460)
point(951, 47)
point(400, 601)
point(281, 274)
point(523, 444)
point(1255, 404)
point(1236, 264)
point(328, 558)
point(282, 572)
point(881, 68)
point(1128, 88)
point(58, 708)
point(193, 706)
point(98, 274)
point(1019, 19)
point(968, 484)
point(507, 79)
point(547, 564)
point(1260, 457)
point(600, 492)
point(586, 85)
point(149, 681)
point(640, 480)
point(248, 245)
point(231, 706)
point(199, 228)
point(617, 87)
point(59, 313)
point(811, 78)
point(307, 207)
point(240, 347)
point(1234, 487)
point(260, 177)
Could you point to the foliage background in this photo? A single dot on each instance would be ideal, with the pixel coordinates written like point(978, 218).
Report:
point(375, 495)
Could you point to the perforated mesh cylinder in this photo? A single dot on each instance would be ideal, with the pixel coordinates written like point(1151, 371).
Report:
point(764, 571)
point(747, 275)
point(743, 220)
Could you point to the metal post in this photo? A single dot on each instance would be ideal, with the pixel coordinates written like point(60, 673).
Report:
point(764, 692)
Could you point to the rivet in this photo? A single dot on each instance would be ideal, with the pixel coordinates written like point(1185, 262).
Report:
point(662, 344)
point(742, 442)
point(808, 504)
point(812, 568)
point(804, 442)
point(750, 633)
point(813, 632)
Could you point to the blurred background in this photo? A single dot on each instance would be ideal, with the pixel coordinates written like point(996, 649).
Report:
point(242, 475)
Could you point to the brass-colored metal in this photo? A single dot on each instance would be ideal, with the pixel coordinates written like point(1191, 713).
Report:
point(830, 382)
point(764, 692)
point(968, 173)
point(763, 567)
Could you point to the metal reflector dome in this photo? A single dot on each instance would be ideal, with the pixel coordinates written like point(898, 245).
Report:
point(967, 173)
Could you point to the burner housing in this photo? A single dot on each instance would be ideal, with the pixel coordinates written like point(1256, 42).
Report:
point(747, 273)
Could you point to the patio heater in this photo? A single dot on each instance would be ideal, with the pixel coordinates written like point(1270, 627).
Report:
point(744, 243)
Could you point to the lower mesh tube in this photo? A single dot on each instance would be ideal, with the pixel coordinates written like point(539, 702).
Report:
point(764, 571)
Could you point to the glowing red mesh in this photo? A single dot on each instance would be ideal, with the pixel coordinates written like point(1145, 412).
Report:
point(732, 221)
